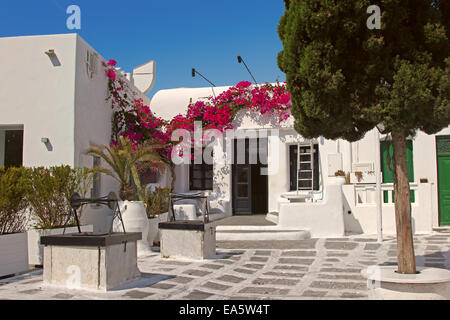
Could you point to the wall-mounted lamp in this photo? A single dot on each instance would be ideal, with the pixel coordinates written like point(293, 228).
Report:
point(50, 52)
point(240, 60)
point(194, 72)
point(47, 143)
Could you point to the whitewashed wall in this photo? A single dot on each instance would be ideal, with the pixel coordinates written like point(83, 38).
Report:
point(93, 125)
point(362, 217)
point(38, 93)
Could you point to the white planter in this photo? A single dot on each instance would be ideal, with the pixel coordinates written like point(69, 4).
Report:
point(13, 253)
point(36, 250)
point(154, 235)
point(384, 283)
point(339, 180)
point(135, 219)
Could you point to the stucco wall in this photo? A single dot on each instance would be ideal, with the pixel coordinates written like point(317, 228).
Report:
point(38, 92)
point(362, 218)
point(171, 102)
point(425, 165)
point(93, 125)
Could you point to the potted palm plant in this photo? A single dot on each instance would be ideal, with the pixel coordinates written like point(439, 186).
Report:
point(122, 160)
point(13, 236)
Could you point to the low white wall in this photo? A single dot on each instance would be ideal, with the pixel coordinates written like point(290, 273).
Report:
point(13, 253)
point(322, 219)
point(362, 218)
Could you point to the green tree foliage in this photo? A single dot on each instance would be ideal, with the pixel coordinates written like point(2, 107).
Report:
point(344, 78)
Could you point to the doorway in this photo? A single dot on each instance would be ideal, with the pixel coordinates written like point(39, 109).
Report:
point(249, 186)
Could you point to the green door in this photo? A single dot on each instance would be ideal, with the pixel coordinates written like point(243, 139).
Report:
point(443, 155)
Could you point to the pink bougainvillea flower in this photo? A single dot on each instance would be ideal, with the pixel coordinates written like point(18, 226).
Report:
point(243, 84)
point(111, 75)
point(112, 62)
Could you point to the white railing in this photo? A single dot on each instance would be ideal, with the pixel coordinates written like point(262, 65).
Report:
point(366, 193)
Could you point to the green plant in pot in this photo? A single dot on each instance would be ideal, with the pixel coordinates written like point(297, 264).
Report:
point(157, 201)
point(122, 160)
point(157, 206)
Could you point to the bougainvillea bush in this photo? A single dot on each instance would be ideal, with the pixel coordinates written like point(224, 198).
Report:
point(134, 120)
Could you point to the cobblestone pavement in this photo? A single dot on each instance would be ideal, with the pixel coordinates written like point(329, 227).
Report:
point(253, 270)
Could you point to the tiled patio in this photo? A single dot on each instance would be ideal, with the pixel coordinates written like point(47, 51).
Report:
point(306, 269)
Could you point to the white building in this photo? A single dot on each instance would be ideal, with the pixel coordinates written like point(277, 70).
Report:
point(333, 211)
point(53, 105)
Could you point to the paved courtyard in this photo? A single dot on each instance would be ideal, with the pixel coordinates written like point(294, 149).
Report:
point(306, 269)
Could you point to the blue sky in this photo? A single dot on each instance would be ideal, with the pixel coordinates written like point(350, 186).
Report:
point(179, 35)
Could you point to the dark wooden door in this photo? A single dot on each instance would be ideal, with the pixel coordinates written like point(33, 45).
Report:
point(242, 189)
point(250, 187)
point(242, 180)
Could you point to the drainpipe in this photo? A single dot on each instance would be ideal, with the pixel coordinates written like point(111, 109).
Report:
point(378, 187)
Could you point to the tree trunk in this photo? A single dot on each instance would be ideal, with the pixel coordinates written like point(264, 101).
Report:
point(126, 192)
point(405, 246)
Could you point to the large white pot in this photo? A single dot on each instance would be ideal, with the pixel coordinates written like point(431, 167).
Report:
point(154, 234)
point(13, 253)
point(384, 283)
point(135, 219)
point(36, 250)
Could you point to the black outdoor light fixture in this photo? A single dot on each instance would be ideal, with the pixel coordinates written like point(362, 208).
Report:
point(240, 60)
point(196, 72)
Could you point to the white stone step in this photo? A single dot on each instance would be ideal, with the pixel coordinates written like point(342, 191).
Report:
point(272, 217)
point(259, 233)
point(442, 229)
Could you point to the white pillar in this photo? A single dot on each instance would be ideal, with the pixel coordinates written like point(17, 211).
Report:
point(378, 187)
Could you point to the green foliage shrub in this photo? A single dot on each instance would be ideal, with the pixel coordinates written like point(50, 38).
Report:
point(14, 187)
point(157, 202)
point(51, 190)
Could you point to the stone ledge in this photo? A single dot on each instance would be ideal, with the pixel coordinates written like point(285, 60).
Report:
point(90, 239)
point(425, 275)
point(196, 225)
